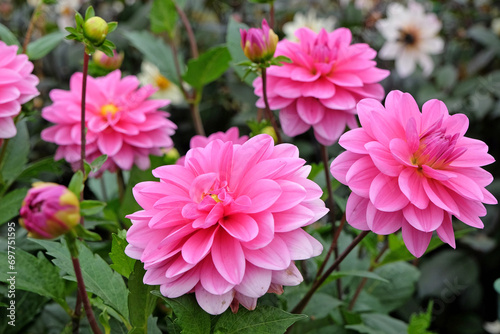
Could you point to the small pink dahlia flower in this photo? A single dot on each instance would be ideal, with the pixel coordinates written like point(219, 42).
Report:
point(226, 225)
point(259, 44)
point(328, 76)
point(17, 86)
point(121, 122)
point(413, 170)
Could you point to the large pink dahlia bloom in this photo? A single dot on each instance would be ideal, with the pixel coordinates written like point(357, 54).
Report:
point(320, 88)
point(17, 86)
point(413, 170)
point(121, 121)
point(227, 224)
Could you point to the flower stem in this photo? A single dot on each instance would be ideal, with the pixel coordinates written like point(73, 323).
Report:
point(82, 123)
point(271, 15)
point(268, 112)
point(73, 249)
point(121, 184)
point(307, 297)
point(189, 30)
point(31, 25)
point(333, 246)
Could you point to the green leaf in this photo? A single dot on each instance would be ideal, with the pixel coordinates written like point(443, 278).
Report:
point(207, 67)
point(16, 154)
point(374, 323)
point(11, 203)
point(112, 27)
point(89, 13)
point(35, 274)
point(233, 42)
point(46, 165)
point(419, 323)
point(141, 302)
point(28, 306)
point(163, 16)
point(91, 207)
point(76, 183)
point(121, 262)
point(155, 51)
point(8, 37)
point(104, 321)
point(191, 317)
point(397, 291)
point(485, 37)
point(264, 319)
point(85, 234)
point(42, 46)
point(78, 19)
point(321, 305)
point(358, 273)
point(446, 77)
point(97, 275)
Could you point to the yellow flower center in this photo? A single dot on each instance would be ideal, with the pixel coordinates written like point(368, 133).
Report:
point(216, 198)
point(161, 82)
point(109, 109)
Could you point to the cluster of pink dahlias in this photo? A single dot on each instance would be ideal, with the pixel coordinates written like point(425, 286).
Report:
point(320, 88)
point(227, 224)
point(121, 122)
point(17, 86)
point(413, 170)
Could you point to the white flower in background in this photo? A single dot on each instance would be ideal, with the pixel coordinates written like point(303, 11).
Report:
point(363, 5)
point(411, 36)
point(310, 21)
point(150, 74)
point(495, 25)
point(65, 10)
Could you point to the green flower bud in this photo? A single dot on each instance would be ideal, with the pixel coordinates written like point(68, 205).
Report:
point(95, 30)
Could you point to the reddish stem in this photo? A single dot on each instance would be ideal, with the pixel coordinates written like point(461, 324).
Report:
point(268, 112)
point(86, 57)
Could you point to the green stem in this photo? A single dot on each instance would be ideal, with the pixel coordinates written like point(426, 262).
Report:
point(189, 30)
point(271, 15)
point(307, 297)
point(269, 114)
point(121, 184)
point(33, 19)
point(86, 58)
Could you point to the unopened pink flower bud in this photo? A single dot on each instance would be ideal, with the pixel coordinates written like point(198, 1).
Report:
point(108, 63)
point(259, 44)
point(49, 210)
point(95, 30)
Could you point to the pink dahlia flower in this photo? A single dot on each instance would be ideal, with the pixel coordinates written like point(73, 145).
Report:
point(17, 86)
point(232, 135)
point(413, 170)
point(227, 224)
point(259, 44)
point(121, 122)
point(320, 88)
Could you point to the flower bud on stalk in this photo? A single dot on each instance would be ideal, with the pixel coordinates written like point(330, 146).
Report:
point(95, 30)
point(108, 63)
point(49, 210)
point(258, 44)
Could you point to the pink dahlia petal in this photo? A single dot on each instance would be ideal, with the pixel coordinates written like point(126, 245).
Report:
point(255, 283)
point(120, 119)
point(212, 281)
point(413, 170)
point(181, 285)
point(213, 304)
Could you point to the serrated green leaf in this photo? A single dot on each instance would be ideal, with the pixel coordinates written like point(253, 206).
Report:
point(121, 262)
point(141, 302)
point(91, 207)
point(35, 274)
point(11, 203)
point(97, 275)
point(233, 42)
point(76, 183)
point(16, 154)
point(163, 16)
point(192, 319)
point(155, 51)
point(264, 319)
point(419, 323)
point(42, 46)
point(8, 37)
point(209, 66)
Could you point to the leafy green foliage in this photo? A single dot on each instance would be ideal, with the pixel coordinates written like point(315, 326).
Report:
point(141, 301)
point(262, 320)
point(97, 275)
point(8, 37)
point(155, 51)
point(76, 183)
point(374, 323)
point(91, 207)
point(209, 66)
point(42, 46)
point(11, 203)
point(191, 318)
point(121, 262)
point(28, 305)
point(419, 323)
point(16, 155)
point(36, 274)
point(163, 16)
